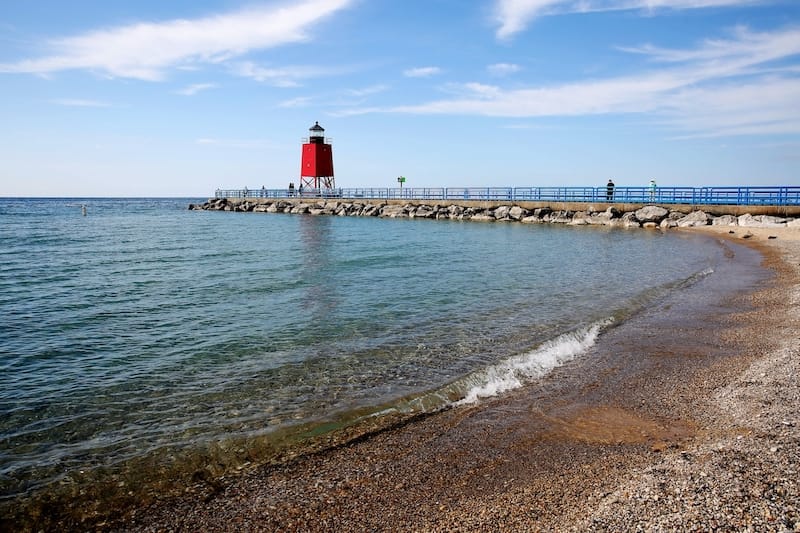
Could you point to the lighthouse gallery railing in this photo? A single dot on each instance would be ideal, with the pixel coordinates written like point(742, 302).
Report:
point(788, 195)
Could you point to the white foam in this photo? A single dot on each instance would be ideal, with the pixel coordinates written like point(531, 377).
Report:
point(515, 371)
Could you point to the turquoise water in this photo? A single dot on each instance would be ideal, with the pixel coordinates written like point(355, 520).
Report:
point(144, 328)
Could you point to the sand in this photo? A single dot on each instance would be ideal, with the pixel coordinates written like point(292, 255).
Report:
point(701, 433)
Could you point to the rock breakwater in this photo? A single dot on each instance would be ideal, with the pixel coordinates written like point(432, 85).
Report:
point(651, 216)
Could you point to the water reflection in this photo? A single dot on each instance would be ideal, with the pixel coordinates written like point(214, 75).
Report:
point(321, 297)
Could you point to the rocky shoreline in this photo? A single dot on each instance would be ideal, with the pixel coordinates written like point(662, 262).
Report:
point(650, 216)
point(690, 441)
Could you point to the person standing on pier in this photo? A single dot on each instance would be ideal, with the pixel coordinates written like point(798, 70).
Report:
point(610, 190)
point(652, 190)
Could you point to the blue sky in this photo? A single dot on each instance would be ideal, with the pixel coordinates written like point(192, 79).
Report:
point(179, 98)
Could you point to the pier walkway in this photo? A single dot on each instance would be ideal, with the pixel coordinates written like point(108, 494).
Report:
point(695, 196)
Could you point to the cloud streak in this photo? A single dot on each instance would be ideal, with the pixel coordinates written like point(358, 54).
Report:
point(192, 90)
point(75, 102)
point(503, 69)
point(147, 50)
point(287, 76)
point(514, 16)
point(250, 144)
point(744, 85)
point(421, 72)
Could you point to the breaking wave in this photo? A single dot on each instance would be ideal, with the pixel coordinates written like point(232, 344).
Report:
point(515, 371)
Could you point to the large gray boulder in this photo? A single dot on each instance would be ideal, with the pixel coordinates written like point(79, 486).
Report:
point(629, 220)
point(604, 218)
point(517, 213)
point(668, 223)
point(747, 220)
point(725, 220)
point(651, 213)
point(372, 210)
point(455, 211)
point(761, 221)
point(501, 213)
point(609, 217)
point(693, 219)
point(580, 218)
point(394, 211)
point(770, 221)
point(559, 217)
point(422, 211)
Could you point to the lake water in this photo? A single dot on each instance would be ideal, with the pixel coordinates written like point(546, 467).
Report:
point(144, 330)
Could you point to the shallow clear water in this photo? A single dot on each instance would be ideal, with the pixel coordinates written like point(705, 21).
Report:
point(143, 327)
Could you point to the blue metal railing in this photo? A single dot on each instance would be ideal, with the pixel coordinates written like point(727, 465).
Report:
point(787, 195)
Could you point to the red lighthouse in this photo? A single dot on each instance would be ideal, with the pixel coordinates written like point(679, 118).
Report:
point(316, 168)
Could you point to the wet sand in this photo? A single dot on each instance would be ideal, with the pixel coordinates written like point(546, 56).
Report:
point(670, 423)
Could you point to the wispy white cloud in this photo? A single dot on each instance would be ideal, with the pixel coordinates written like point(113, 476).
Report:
point(421, 72)
point(760, 107)
point(287, 76)
point(521, 127)
point(746, 84)
point(147, 50)
point(300, 101)
point(192, 90)
point(514, 16)
point(235, 143)
point(616, 95)
point(367, 91)
point(73, 102)
point(746, 47)
point(503, 69)
point(357, 111)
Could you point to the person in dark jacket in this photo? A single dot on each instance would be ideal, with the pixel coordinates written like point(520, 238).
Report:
point(610, 190)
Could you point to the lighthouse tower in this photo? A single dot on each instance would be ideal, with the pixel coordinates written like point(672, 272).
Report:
point(316, 168)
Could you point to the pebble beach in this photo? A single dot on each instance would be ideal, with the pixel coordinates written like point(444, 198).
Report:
point(702, 435)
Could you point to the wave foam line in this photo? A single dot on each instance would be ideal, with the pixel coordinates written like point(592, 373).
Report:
point(515, 371)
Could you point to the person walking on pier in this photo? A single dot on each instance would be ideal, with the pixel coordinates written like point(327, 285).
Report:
point(610, 190)
point(652, 190)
